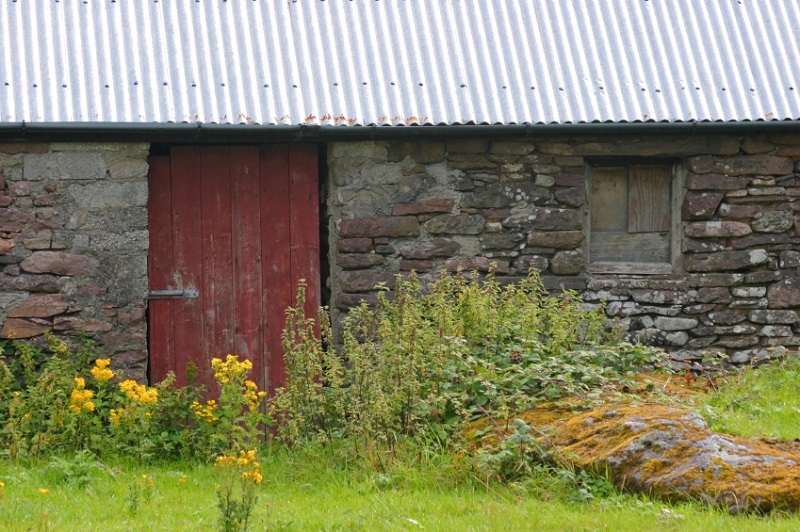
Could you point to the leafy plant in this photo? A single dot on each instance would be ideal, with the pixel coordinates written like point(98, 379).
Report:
point(418, 365)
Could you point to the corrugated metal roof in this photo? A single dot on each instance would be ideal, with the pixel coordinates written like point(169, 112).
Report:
point(399, 62)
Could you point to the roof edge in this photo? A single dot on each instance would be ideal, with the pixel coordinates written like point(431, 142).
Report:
point(230, 133)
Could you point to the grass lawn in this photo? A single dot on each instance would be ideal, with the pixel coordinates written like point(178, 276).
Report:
point(299, 494)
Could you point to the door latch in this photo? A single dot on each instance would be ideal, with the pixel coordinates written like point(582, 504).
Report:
point(173, 294)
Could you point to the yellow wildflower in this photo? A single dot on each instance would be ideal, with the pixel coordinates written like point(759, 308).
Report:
point(182, 480)
point(80, 398)
point(230, 369)
point(139, 392)
point(100, 371)
point(44, 491)
point(205, 412)
point(116, 416)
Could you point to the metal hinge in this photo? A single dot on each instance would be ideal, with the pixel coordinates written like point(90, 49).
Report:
point(173, 294)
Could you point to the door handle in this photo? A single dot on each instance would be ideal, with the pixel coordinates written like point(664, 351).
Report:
point(173, 294)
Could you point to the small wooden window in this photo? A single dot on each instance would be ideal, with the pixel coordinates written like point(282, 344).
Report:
point(631, 219)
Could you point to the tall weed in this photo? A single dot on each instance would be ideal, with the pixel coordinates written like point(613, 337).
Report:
point(418, 365)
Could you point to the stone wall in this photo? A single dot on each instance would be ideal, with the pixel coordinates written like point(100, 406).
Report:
point(398, 206)
point(73, 245)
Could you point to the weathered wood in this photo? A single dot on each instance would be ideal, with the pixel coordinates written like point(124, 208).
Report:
point(187, 270)
point(630, 247)
point(159, 221)
point(648, 199)
point(247, 289)
point(609, 197)
point(276, 264)
point(215, 185)
point(240, 225)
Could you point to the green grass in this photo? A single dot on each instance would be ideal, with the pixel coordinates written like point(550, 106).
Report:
point(762, 401)
point(303, 492)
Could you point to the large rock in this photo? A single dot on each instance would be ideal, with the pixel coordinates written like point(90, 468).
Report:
point(670, 453)
point(757, 165)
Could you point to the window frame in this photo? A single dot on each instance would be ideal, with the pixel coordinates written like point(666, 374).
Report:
point(677, 193)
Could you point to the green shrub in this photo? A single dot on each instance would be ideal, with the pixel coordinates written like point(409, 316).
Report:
point(420, 364)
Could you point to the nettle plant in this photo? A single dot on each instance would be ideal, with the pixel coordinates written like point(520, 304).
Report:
point(422, 363)
point(69, 399)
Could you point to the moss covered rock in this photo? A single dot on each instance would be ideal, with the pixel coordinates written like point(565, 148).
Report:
point(670, 453)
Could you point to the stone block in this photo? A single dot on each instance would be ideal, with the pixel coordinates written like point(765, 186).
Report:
point(39, 306)
point(727, 317)
point(114, 195)
point(766, 276)
point(665, 323)
point(749, 291)
point(364, 281)
point(700, 205)
point(394, 226)
point(12, 148)
point(78, 324)
point(511, 148)
point(480, 264)
point(757, 165)
point(424, 206)
point(754, 146)
point(29, 283)
point(6, 245)
point(714, 295)
point(671, 297)
point(758, 240)
point(504, 194)
point(455, 224)
point(352, 261)
point(749, 303)
point(354, 245)
point(546, 181)
point(715, 182)
point(573, 196)
point(717, 229)
point(568, 262)
point(728, 210)
point(526, 263)
point(19, 188)
point(58, 263)
point(789, 259)
point(737, 342)
point(545, 219)
point(18, 328)
point(555, 239)
point(467, 145)
point(726, 260)
point(773, 222)
point(784, 294)
point(570, 180)
point(775, 330)
point(425, 152)
point(416, 265)
point(64, 165)
point(438, 247)
point(500, 241)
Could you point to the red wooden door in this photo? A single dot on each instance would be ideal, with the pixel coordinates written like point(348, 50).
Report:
point(235, 228)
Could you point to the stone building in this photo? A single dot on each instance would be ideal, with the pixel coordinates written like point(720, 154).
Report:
point(170, 171)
